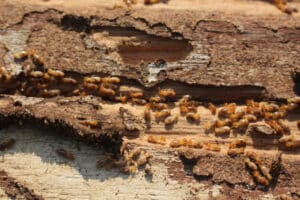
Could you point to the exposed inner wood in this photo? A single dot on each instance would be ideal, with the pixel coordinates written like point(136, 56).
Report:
point(215, 51)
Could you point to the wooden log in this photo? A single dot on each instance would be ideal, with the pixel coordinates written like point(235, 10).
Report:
point(214, 51)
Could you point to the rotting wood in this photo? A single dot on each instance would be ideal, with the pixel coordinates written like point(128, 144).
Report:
point(217, 54)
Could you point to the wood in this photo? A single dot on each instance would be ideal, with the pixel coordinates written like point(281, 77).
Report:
point(214, 51)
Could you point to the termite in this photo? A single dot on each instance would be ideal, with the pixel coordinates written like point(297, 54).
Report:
point(36, 74)
point(294, 100)
point(265, 171)
point(156, 99)
point(65, 154)
point(69, 80)
point(106, 91)
point(250, 117)
point(7, 143)
point(251, 164)
point(37, 60)
point(221, 123)
point(237, 144)
point(243, 123)
point(171, 120)
point(90, 86)
point(236, 151)
point(92, 79)
point(136, 94)
point(149, 2)
point(91, 123)
point(156, 140)
point(212, 108)
point(225, 130)
point(138, 101)
point(227, 110)
point(212, 147)
point(162, 114)
point(114, 80)
point(159, 106)
point(51, 93)
point(55, 73)
point(147, 114)
point(259, 178)
point(20, 55)
point(167, 93)
point(122, 99)
point(193, 117)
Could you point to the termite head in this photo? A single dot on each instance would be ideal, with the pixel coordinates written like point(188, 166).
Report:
point(212, 108)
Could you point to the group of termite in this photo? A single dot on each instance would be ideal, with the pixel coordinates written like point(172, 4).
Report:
point(36, 80)
point(229, 117)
